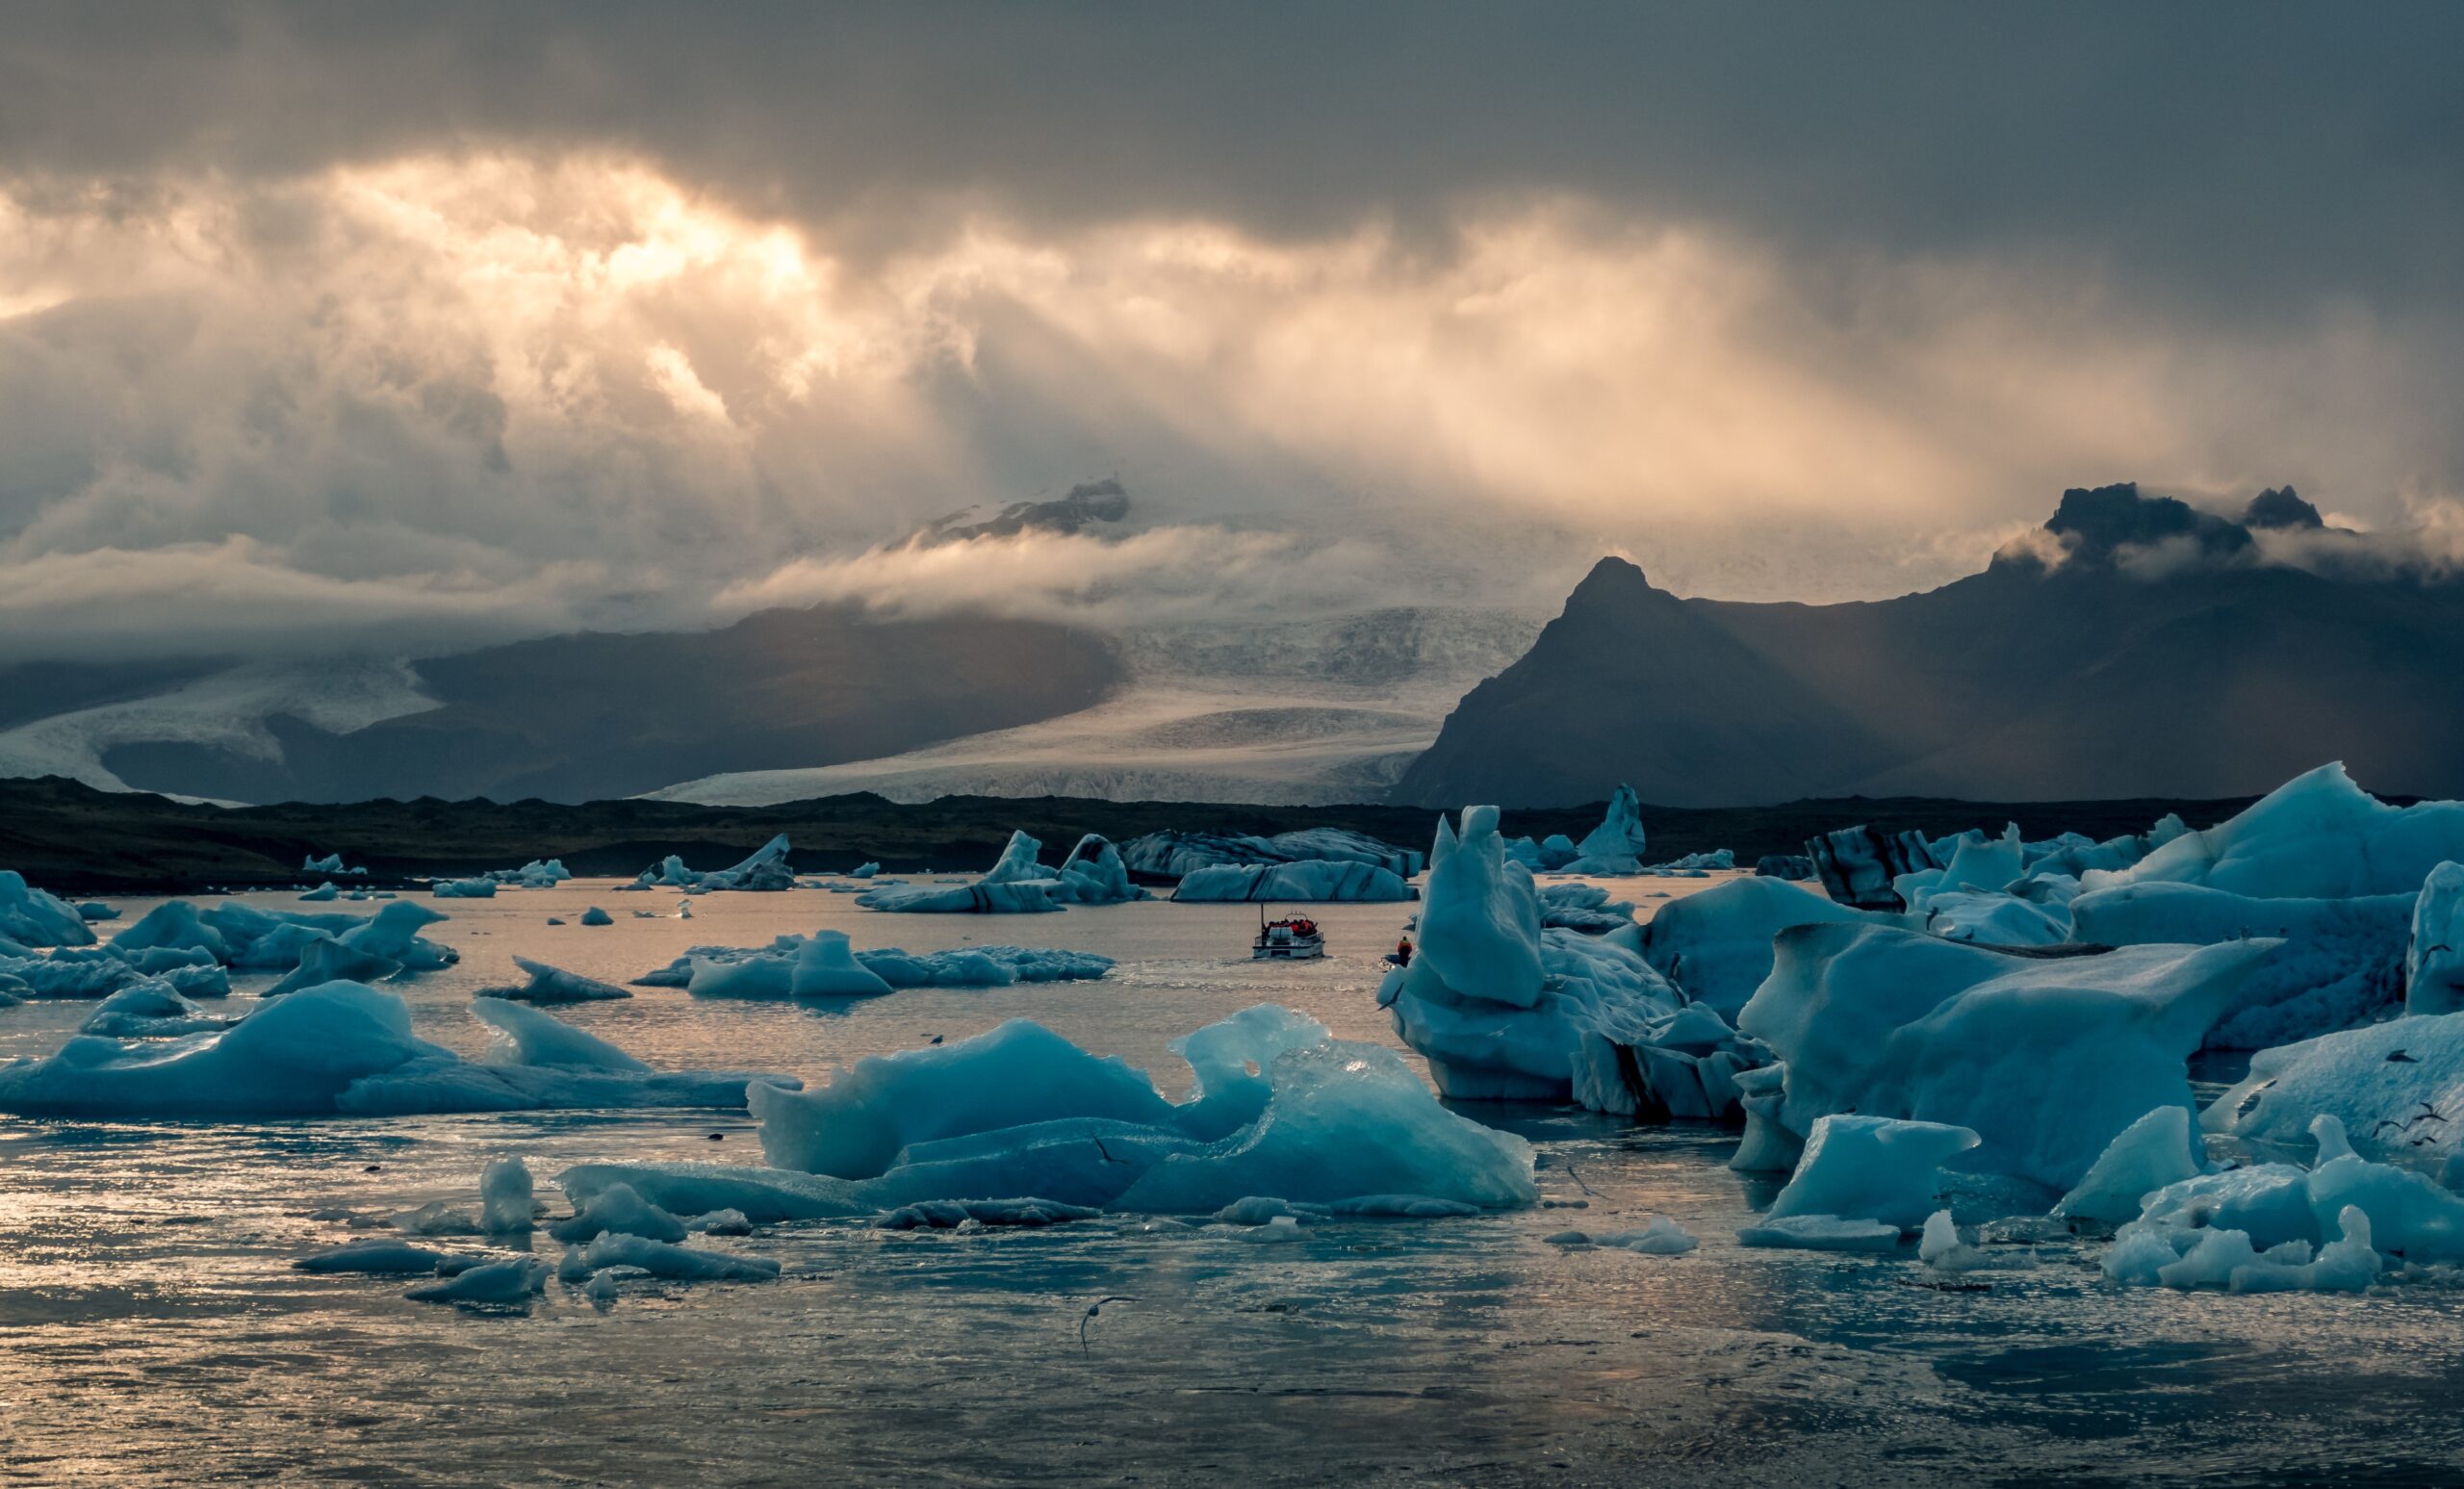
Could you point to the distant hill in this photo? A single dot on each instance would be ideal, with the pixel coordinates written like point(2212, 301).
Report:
point(2137, 648)
point(582, 717)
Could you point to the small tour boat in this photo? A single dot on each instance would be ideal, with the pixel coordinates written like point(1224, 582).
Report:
point(1293, 937)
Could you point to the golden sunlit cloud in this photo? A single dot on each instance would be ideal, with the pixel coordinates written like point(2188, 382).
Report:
point(500, 365)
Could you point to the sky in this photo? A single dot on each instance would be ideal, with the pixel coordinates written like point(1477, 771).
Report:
point(344, 327)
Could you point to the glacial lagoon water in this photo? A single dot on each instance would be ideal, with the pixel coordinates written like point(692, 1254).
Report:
point(152, 1330)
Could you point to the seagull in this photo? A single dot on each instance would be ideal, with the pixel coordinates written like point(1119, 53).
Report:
point(1094, 1308)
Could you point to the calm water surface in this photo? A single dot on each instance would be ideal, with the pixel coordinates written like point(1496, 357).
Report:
point(151, 1331)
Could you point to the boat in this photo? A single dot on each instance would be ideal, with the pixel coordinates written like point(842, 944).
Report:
point(1295, 938)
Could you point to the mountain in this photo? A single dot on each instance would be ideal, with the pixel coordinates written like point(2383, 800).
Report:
point(1304, 711)
point(570, 718)
point(2134, 647)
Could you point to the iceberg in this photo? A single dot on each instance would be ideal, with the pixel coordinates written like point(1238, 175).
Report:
point(2277, 1228)
point(1281, 1111)
point(1308, 881)
point(376, 1255)
point(150, 1010)
point(2397, 1087)
point(1860, 866)
point(680, 1264)
point(481, 888)
point(554, 985)
point(1176, 855)
point(2342, 961)
point(1871, 1169)
point(1820, 1233)
point(2317, 836)
point(325, 960)
point(2150, 1153)
point(344, 1048)
point(1579, 907)
point(1018, 885)
point(770, 971)
point(507, 1284)
point(507, 1205)
point(1615, 847)
point(174, 925)
point(952, 1213)
point(1501, 1008)
point(595, 916)
point(322, 894)
point(1783, 865)
point(2045, 1057)
point(766, 869)
point(1716, 945)
point(537, 874)
point(330, 863)
point(1693, 866)
point(2434, 944)
point(618, 1209)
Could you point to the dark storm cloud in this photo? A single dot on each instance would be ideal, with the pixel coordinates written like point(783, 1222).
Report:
point(2259, 150)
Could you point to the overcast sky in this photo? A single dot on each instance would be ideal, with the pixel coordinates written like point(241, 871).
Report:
point(339, 325)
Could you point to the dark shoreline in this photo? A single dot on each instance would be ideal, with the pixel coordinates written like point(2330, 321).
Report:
point(72, 840)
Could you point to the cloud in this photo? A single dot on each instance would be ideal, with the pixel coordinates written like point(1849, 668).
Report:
point(441, 395)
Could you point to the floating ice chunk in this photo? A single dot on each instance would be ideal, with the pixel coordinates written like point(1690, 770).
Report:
point(2434, 950)
point(1016, 1074)
point(951, 1214)
point(1094, 874)
point(764, 1196)
point(864, 870)
point(526, 1036)
point(826, 967)
point(1871, 1169)
point(1820, 1233)
point(325, 960)
point(2150, 1153)
point(680, 1264)
point(507, 1284)
point(1176, 855)
point(1581, 907)
point(1942, 1248)
point(2397, 1087)
point(766, 869)
point(537, 874)
point(1024, 897)
point(481, 888)
point(348, 1048)
point(1503, 1010)
point(1861, 865)
point(1660, 1235)
point(76, 973)
point(2342, 959)
point(1308, 881)
point(1716, 945)
point(720, 1222)
point(595, 916)
point(436, 1219)
point(2046, 1058)
point(377, 1255)
point(554, 985)
point(323, 891)
point(1991, 918)
point(1615, 847)
point(173, 924)
point(2317, 836)
point(769, 971)
point(505, 1197)
point(392, 933)
point(150, 1010)
point(618, 1208)
point(1783, 865)
point(33, 917)
point(1257, 1210)
point(330, 863)
point(1480, 930)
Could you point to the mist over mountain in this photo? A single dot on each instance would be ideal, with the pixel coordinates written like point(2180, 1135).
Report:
point(2132, 645)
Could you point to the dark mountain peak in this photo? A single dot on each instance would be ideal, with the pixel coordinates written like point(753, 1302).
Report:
point(2096, 527)
point(1614, 588)
point(2280, 507)
point(2097, 523)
